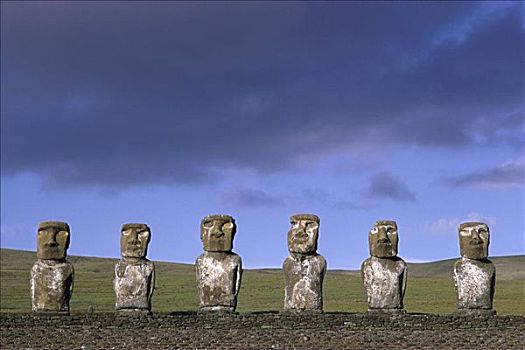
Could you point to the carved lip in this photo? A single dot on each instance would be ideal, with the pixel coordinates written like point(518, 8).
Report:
point(300, 239)
point(133, 246)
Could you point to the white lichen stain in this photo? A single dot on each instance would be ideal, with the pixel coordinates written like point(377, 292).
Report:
point(306, 276)
point(133, 284)
point(218, 279)
point(50, 285)
point(383, 280)
point(473, 284)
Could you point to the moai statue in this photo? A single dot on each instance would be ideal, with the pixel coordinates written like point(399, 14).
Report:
point(304, 269)
point(384, 273)
point(134, 274)
point(52, 275)
point(218, 269)
point(474, 274)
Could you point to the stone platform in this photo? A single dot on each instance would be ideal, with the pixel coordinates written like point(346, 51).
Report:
point(189, 330)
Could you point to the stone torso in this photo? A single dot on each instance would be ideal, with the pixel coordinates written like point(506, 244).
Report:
point(51, 285)
point(134, 283)
point(218, 279)
point(384, 282)
point(304, 282)
point(474, 282)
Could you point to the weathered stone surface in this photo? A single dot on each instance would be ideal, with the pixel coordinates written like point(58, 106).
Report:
point(474, 274)
point(474, 239)
point(218, 280)
point(384, 280)
point(384, 274)
point(218, 269)
point(134, 274)
point(51, 275)
point(261, 331)
point(383, 239)
point(304, 282)
point(217, 233)
point(304, 269)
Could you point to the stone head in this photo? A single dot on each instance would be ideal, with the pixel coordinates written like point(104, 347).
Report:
point(474, 239)
point(52, 240)
point(134, 240)
point(217, 232)
point(302, 236)
point(383, 239)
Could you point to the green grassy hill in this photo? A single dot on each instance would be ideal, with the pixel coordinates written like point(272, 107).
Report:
point(507, 268)
point(430, 287)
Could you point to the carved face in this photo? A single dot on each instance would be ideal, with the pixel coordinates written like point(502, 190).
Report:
point(383, 239)
point(302, 237)
point(52, 240)
point(474, 239)
point(134, 239)
point(217, 232)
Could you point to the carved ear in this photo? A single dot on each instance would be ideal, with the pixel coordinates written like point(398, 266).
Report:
point(67, 240)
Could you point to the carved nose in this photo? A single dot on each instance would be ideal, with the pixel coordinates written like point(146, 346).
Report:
point(475, 239)
point(217, 233)
point(382, 237)
point(52, 241)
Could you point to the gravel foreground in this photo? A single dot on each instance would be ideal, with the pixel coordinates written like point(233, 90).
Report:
point(191, 330)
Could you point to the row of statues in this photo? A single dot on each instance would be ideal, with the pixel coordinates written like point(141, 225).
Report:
point(219, 269)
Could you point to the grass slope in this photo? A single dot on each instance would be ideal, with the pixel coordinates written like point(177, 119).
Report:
point(430, 287)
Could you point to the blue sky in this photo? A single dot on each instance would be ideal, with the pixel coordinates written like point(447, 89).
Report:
point(164, 112)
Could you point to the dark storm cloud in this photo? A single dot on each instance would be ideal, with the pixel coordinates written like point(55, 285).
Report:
point(253, 198)
point(386, 185)
point(128, 93)
point(509, 174)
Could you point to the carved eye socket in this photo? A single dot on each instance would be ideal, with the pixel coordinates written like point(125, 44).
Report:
point(311, 226)
point(227, 226)
point(207, 224)
point(126, 232)
point(374, 230)
point(143, 234)
point(62, 234)
point(464, 233)
point(391, 231)
point(483, 233)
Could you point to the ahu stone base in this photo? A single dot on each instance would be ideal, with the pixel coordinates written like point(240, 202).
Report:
point(191, 330)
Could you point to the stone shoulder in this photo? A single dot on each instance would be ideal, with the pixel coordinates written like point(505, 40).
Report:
point(229, 256)
point(321, 260)
point(366, 263)
point(38, 265)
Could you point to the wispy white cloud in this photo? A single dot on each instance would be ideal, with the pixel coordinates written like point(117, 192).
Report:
point(450, 225)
